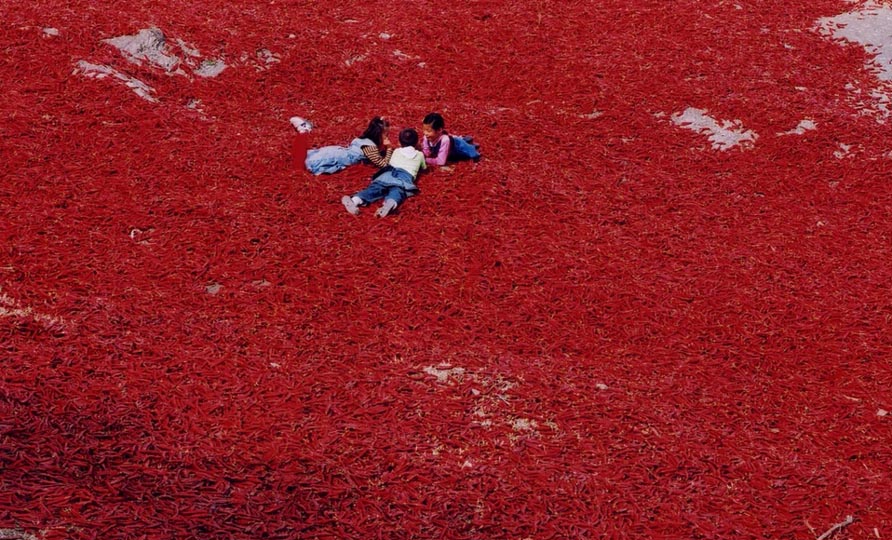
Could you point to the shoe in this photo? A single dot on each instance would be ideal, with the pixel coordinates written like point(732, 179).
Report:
point(386, 208)
point(348, 203)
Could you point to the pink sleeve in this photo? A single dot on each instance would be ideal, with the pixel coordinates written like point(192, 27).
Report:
point(445, 141)
point(425, 147)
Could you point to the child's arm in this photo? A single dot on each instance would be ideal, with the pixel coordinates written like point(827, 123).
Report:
point(374, 155)
point(440, 160)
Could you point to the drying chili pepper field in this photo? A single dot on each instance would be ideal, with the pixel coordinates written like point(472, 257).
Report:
point(659, 307)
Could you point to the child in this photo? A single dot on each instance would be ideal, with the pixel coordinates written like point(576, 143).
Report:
point(396, 182)
point(436, 143)
point(372, 145)
point(377, 153)
point(439, 147)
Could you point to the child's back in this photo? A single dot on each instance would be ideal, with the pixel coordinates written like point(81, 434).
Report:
point(408, 159)
point(396, 182)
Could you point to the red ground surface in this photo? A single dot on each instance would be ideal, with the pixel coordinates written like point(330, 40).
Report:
point(605, 329)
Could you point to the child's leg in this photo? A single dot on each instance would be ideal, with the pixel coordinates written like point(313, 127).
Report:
point(463, 148)
point(374, 192)
point(393, 198)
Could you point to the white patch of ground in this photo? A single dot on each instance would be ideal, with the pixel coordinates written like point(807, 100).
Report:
point(99, 71)
point(50, 32)
point(722, 134)
point(148, 45)
point(801, 127)
point(151, 46)
point(445, 373)
point(524, 424)
point(354, 59)
point(188, 49)
point(15, 534)
point(491, 408)
point(869, 26)
point(268, 57)
point(844, 150)
point(10, 308)
point(210, 68)
point(881, 102)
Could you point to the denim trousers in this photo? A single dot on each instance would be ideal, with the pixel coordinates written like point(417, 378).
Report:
point(463, 149)
point(331, 159)
point(377, 191)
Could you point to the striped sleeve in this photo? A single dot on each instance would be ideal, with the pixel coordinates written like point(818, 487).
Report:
point(374, 155)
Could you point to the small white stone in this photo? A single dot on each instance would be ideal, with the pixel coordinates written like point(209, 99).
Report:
point(268, 57)
point(353, 59)
point(523, 424)
point(210, 68)
point(443, 375)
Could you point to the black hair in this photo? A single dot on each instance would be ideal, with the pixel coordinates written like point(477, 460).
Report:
point(408, 137)
point(435, 120)
point(375, 131)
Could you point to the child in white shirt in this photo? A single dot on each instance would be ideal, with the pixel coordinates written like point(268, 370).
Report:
point(396, 182)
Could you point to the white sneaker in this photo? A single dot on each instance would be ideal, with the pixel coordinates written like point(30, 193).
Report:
point(386, 208)
point(348, 203)
point(301, 125)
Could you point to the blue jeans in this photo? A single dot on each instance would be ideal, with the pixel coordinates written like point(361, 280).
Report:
point(331, 159)
point(462, 149)
point(377, 191)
